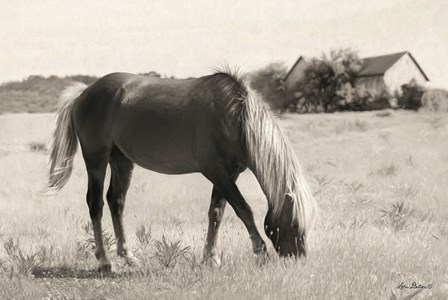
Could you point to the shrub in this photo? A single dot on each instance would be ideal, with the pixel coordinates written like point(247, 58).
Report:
point(327, 81)
point(361, 99)
point(319, 86)
point(435, 100)
point(411, 97)
point(268, 82)
point(379, 101)
point(38, 147)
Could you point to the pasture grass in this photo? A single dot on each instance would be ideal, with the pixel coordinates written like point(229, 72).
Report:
point(381, 181)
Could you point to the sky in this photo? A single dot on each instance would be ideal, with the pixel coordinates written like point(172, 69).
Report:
point(189, 38)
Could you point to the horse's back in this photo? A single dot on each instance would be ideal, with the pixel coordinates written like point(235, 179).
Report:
point(117, 93)
point(165, 125)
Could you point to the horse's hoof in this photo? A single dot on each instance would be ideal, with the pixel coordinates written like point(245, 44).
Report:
point(212, 261)
point(262, 259)
point(105, 268)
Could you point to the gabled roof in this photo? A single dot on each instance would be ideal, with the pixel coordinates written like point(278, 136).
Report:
point(301, 58)
point(378, 65)
point(373, 66)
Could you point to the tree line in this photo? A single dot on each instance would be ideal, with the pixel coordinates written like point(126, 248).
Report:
point(327, 86)
point(40, 94)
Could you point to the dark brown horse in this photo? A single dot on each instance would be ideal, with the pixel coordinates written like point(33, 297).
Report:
point(214, 125)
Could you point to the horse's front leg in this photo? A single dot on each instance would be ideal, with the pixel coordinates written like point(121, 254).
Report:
point(226, 185)
point(215, 214)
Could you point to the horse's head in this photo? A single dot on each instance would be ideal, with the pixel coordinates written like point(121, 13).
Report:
point(284, 231)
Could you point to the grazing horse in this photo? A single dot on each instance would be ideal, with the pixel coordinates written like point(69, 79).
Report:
point(214, 125)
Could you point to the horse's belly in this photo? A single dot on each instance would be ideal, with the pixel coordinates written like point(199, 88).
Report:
point(162, 148)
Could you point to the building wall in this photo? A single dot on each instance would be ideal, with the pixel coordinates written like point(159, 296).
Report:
point(402, 72)
point(372, 84)
point(296, 74)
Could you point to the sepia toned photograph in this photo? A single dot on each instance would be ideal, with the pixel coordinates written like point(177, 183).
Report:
point(232, 149)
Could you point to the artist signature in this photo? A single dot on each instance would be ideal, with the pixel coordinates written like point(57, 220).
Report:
point(414, 285)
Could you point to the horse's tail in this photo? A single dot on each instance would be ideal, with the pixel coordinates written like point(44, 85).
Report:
point(64, 142)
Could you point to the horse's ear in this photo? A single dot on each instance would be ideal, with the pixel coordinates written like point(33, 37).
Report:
point(289, 198)
point(288, 206)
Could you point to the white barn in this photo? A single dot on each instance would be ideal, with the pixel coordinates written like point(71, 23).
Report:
point(389, 72)
point(379, 73)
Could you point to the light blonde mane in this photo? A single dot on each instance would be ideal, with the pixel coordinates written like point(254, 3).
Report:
point(274, 163)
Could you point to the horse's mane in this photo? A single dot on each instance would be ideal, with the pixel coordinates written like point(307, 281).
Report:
point(271, 157)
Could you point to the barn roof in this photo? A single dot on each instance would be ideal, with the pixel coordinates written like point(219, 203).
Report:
point(373, 66)
point(378, 65)
point(293, 66)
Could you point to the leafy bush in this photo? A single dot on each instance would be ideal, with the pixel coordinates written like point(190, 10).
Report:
point(319, 86)
point(411, 98)
point(435, 100)
point(268, 82)
point(379, 101)
point(327, 81)
point(361, 99)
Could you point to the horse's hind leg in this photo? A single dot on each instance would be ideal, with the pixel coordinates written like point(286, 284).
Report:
point(121, 172)
point(96, 169)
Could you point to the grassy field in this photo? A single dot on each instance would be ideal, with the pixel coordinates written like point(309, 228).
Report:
point(380, 178)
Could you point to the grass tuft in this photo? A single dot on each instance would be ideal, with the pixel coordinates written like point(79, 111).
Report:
point(168, 252)
point(397, 216)
point(38, 147)
point(383, 113)
point(388, 170)
point(144, 236)
point(86, 245)
point(21, 263)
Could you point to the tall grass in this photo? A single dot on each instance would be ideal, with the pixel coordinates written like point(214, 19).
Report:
point(382, 223)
